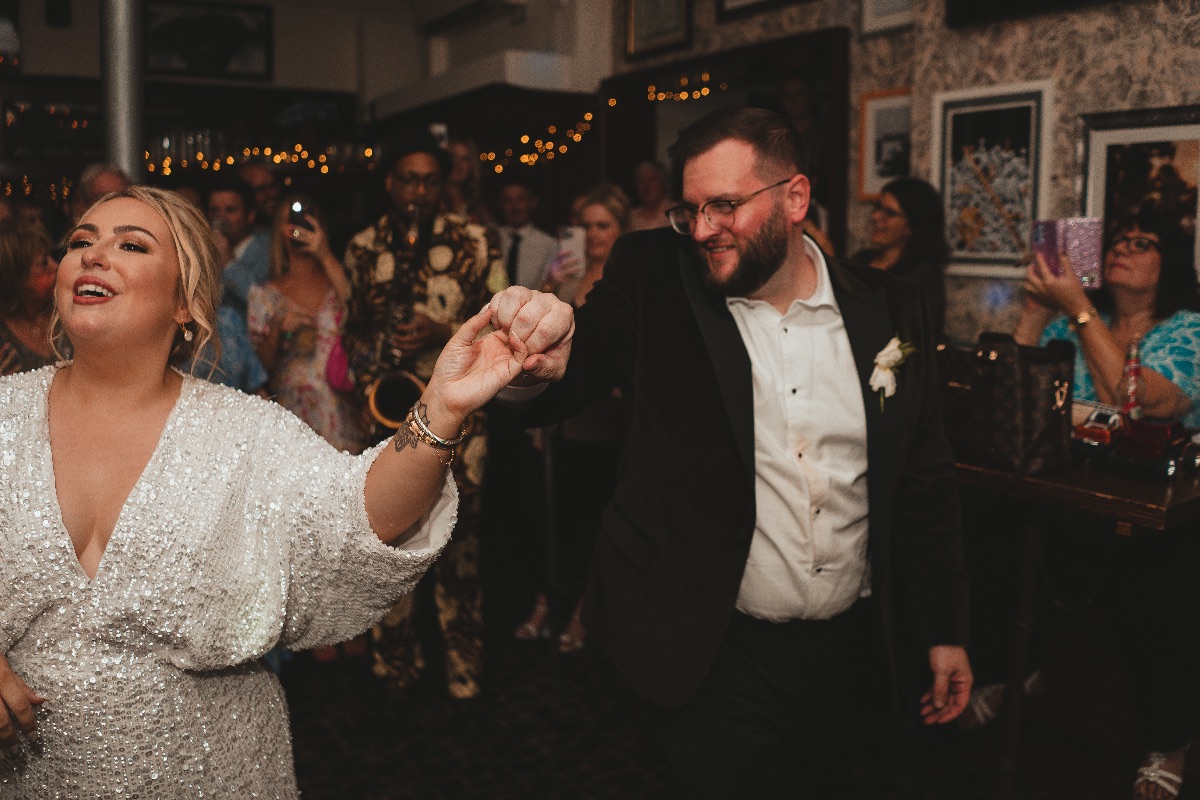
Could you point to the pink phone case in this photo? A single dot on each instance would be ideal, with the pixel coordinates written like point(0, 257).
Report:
point(1081, 238)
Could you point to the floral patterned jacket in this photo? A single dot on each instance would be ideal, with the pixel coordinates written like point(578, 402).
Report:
point(461, 270)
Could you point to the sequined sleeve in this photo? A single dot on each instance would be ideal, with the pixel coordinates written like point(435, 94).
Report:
point(336, 576)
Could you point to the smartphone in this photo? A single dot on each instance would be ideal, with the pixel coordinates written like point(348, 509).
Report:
point(296, 216)
point(571, 240)
point(1081, 238)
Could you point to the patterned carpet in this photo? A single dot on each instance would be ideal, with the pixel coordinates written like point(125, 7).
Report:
point(525, 736)
point(548, 727)
point(583, 735)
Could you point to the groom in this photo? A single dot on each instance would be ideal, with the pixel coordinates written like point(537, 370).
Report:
point(776, 495)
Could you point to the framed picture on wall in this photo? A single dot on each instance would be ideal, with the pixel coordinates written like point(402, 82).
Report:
point(963, 13)
point(209, 40)
point(1147, 159)
point(885, 139)
point(655, 25)
point(886, 15)
point(990, 151)
point(732, 9)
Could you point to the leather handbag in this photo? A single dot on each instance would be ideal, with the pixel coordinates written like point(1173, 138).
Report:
point(1008, 406)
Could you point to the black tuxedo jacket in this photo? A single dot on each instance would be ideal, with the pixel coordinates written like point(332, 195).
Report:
point(673, 543)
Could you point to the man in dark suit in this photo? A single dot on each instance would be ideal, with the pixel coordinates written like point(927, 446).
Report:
point(785, 468)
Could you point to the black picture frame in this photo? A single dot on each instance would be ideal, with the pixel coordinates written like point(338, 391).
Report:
point(653, 26)
point(967, 13)
point(737, 9)
point(990, 148)
point(185, 38)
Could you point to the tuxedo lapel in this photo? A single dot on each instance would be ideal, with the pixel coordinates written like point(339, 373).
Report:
point(729, 358)
point(869, 327)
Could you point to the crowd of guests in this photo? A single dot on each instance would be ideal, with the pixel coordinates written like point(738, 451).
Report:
point(329, 333)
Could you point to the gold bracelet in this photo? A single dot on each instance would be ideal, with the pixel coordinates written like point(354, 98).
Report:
point(416, 413)
point(414, 430)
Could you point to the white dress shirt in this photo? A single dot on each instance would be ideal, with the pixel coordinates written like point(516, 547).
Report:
point(808, 556)
point(534, 254)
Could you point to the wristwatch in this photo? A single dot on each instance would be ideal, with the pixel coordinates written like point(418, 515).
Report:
point(1085, 316)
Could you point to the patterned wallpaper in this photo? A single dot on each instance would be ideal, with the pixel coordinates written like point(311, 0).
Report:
point(1116, 56)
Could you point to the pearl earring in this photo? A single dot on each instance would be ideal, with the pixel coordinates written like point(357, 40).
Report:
point(187, 334)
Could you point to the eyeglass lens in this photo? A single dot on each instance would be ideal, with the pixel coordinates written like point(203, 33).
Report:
point(1135, 244)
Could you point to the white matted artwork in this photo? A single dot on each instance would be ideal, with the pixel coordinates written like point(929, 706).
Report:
point(885, 140)
point(1144, 158)
point(886, 15)
point(990, 148)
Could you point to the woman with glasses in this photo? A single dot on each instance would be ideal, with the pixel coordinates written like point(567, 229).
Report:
point(1149, 296)
point(907, 238)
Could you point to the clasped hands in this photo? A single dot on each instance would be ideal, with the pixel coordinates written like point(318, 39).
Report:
point(530, 338)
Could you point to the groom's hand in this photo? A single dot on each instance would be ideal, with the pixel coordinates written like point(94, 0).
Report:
point(539, 323)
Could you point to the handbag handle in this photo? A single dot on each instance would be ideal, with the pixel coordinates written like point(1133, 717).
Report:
point(1062, 390)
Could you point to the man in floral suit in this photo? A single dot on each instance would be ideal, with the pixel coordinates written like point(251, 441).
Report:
point(416, 275)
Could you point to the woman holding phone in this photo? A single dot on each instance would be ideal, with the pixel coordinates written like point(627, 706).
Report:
point(588, 446)
point(294, 321)
point(1149, 297)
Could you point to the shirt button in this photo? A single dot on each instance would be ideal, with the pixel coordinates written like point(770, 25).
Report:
point(819, 569)
point(818, 511)
point(794, 391)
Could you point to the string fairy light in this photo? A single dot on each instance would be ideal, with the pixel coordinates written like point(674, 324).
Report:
point(531, 151)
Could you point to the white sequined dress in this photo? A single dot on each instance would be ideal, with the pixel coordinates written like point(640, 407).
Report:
point(246, 530)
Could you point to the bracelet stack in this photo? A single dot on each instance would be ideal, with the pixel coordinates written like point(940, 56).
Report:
point(415, 429)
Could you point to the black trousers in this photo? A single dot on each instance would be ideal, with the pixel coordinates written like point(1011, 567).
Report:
point(1157, 607)
point(781, 714)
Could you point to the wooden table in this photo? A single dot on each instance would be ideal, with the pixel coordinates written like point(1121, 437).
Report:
point(1139, 505)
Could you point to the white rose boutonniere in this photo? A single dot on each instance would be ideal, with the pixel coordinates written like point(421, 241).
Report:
point(883, 378)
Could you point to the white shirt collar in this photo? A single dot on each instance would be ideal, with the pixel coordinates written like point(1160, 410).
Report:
point(822, 296)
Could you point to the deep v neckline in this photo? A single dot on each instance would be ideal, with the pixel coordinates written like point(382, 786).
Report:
point(52, 479)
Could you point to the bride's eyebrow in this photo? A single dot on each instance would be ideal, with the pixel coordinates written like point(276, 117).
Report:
point(90, 228)
point(134, 229)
